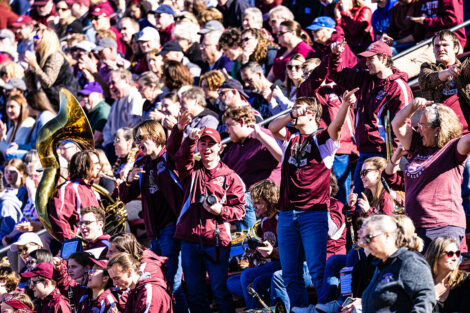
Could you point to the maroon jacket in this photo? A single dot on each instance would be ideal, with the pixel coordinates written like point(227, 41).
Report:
point(100, 242)
point(153, 264)
point(337, 245)
point(162, 193)
point(357, 27)
point(375, 97)
point(166, 34)
point(442, 14)
point(53, 303)
point(400, 26)
point(64, 207)
point(323, 51)
point(148, 296)
point(194, 222)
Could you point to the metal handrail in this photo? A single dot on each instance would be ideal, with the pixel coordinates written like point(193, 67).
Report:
point(425, 42)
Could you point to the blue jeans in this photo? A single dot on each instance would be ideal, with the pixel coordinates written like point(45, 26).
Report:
point(196, 261)
point(329, 289)
point(260, 277)
point(278, 287)
point(170, 247)
point(466, 189)
point(358, 187)
point(250, 214)
point(297, 229)
point(342, 170)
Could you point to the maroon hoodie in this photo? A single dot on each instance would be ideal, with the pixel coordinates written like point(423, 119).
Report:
point(323, 51)
point(148, 296)
point(53, 303)
point(153, 264)
point(357, 27)
point(375, 97)
point(196, 223)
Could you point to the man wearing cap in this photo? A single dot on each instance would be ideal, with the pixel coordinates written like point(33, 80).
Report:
point(101, 20)
point(233, 11)
point(383, 90)
point(149, 40)
point(49, 299)
point(165, 22)
point(97, 110)
point(43, 11)
point(171, 51)
point(213, 198)
point(24, 29)
point(232, 95)
point(325, 32)
point(26, 243)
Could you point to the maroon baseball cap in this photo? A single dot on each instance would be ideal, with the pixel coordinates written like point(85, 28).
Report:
point(22, 20)
point(42, 269)
point(100, 263)
point(212, 133)
point(40, 3)
point(102, 9)
point(378, 47)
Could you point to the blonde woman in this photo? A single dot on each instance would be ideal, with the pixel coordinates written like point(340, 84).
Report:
point(452, 286)
point(48, 67)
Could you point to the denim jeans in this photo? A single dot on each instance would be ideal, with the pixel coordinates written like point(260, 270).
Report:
point(259, 277)
point(466, 190)
point(170, 247)
point(278, 287)
point(297, 229)
point(250, 214)
point(342, 170)
point(329, 289)
point(358, 187)
point(196, 261)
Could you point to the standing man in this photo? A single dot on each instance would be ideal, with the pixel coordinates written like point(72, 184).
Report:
point(305, 191)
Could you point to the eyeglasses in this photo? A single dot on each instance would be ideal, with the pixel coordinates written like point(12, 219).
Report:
point(142, 137)
point(35, 282)
point(246, 39)
point(450, 254)
point(282, 33)
point(422, 125)
point(24, 249)
point(86, 223)
point(95, 18)
point(368, 238)
point(296, 67)
point(62, 9)
point(365, 172)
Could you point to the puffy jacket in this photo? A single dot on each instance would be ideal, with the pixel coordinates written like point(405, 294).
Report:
point(195, 223)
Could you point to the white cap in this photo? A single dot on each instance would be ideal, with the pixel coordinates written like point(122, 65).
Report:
point(149, 33)
point(26, 238)
point(85, 45)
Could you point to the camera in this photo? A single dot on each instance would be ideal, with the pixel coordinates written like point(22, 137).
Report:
point(209, 199)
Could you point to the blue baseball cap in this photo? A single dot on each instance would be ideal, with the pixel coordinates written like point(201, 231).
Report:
point(163, 8)
point(322, 21)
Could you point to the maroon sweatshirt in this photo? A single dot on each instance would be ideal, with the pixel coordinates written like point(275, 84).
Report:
point(400, 25)
point(357, 27)
point(152, 263)
point(194, 221)
point(149, 295)
point(53, 303)
point(323, 51)
point(375, 97)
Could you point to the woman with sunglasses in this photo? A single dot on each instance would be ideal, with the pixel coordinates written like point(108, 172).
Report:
point(257, 47)
point(68, 24)
point(433, 175)
point(452, 286)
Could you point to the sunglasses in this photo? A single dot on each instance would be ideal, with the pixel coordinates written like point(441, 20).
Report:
point(282, 33)
point(365, 172)
point(296, 67)
point(35, 282)
point(62, 9)
point(450, 254)
point(142, 137)
point(368, 238)
point(246, 39)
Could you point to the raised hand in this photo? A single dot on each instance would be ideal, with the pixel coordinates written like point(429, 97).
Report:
point(349, 97)
point(420, 104)
point(363, 203)
point(195, 133)
point(338, 47)
point(134, 174)
point(184, 118)
point(352, 197)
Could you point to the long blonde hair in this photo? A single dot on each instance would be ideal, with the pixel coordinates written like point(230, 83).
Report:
point(48, 45)
point(379, 164)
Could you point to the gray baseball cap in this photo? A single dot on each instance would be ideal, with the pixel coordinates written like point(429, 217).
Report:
point(211, 26)
point(15, 82)
point(106, 42)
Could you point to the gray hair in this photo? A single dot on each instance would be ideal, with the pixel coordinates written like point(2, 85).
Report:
point(252, 67)
point(196, 93)
point(149, 78)
point(256, 13)
point(284, 10)
point(186, 31)
point(385, 224)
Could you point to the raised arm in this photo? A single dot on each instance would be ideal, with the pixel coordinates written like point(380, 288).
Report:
point(278, 126)
point(268, 141)
point(349, 99)
point(401, 128)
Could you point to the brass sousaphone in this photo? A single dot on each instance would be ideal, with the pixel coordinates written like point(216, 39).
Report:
point(70, 123)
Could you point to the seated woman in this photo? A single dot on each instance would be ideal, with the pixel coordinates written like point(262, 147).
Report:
point(258, 48)
point(20, 124)
point(265, 197)
point(452, 286)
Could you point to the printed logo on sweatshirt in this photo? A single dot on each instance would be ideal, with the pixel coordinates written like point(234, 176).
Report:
point(387, 277)
point(380, 95)
point(153, 187)
point(417, 166)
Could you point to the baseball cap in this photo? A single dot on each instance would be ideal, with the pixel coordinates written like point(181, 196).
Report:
point(322, 21)
point(84, 45)
point(106, 42)
point(100, 262)
point(15, 82)
point(148, 33)
point(22, 20)
point(212, 133)
point(6, 33)
point(163, 8)
point(378, 47)
point(91, 87)
point(45, 270)
point(170, 46)
point(102, 9)
point(211, 26)
point(40, 3)
point(26, 238)
point(233, 84)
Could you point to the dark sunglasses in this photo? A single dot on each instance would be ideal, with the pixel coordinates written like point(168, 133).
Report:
point(62, 9)
point(368, 238)
point(296, 67)
point(365, 172)
point(35, 282)
point(451, 253)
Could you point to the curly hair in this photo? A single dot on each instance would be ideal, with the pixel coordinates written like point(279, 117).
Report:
point(268, 191)
point(231, 37)
point(261, 49)
point(239, 114)
point(214, 79)
point(176, 75)
point(9, 277)
point(442, 116)
point(209, 15)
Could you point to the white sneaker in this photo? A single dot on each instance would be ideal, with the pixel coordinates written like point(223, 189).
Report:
point(330, 307)
point(309, 309)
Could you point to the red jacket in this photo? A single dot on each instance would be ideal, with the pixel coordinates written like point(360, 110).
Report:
point(148, 296)
point(7, 16)
point(323, 51)
point(162, 193)
point(357, 27)
point(194, 221)
point(375, 97)
point(100, 242)
point(64, 208)
point(153, 264)
point(337, 245)
point(53, 303)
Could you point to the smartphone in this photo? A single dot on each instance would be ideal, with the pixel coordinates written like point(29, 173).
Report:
point(348, 301)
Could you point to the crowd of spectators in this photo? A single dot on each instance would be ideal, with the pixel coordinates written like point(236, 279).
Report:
point(289, 124)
